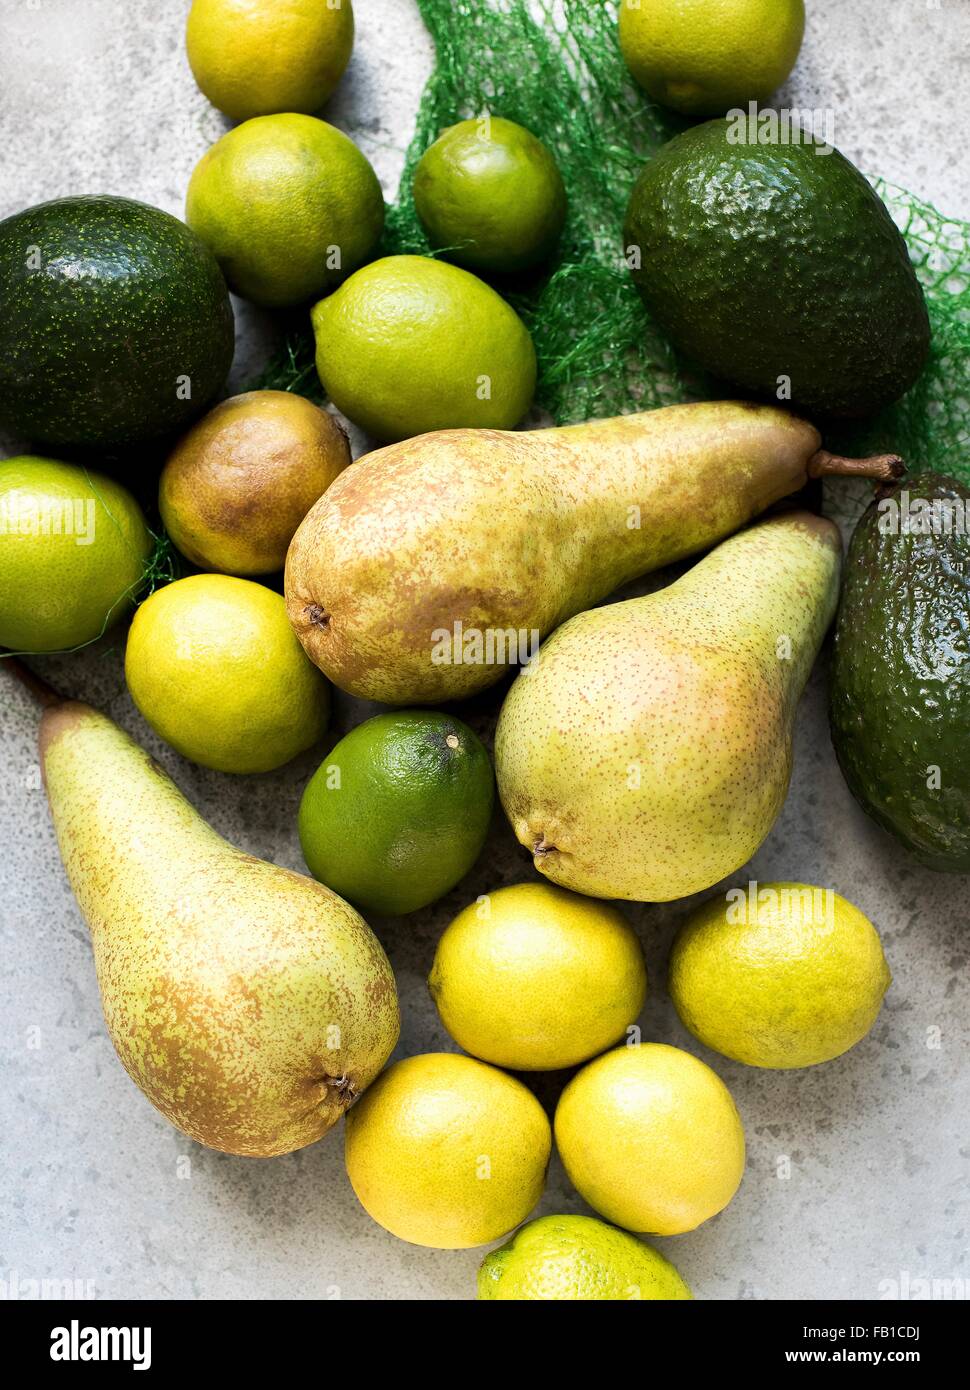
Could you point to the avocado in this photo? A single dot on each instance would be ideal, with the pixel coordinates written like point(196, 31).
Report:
point(771, 262)
point(900, 676)
point(115, 323)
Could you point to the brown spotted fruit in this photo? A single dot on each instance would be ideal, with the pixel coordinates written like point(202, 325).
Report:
point(238, 484)
point(250, 1004)
point(432, 565)
point(646, 752)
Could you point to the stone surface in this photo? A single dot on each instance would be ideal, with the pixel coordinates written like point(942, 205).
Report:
point(858, 1171)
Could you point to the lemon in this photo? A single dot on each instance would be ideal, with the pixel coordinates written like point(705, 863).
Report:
point(651, 1139)
point(491, 193)
point(255, 57)
point(399, 811)
point(794, 977)
point(534, 978)
point(444, 1151)
point(559, 1258)
point(213, 666)
point(73, 552)
point(411, 344)
point(706, 57)
point(288, 206)
point(237, 485)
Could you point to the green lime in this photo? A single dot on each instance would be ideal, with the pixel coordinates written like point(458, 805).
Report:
point(791, 978)
point(399, 811)
point(561, 1258)
point(214, 667)
point(706, 57)
point(288, 205)
point(254, 57)
point(410, 344)
point(490, 193)
point(73, 552)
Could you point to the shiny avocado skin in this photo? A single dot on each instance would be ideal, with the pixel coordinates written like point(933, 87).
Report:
point(125, 301)
point(766, 260)
point(900, 679)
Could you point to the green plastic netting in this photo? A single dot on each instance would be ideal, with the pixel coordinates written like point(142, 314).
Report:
point(555, 67)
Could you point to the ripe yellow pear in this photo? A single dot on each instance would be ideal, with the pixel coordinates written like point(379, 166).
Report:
point(431, 566)
point(250, 1004)
point(646, 752)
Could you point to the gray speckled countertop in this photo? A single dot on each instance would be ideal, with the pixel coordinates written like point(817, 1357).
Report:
point(858, 1171)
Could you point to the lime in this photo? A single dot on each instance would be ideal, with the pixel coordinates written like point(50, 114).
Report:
point(288, 205)
point(213, 666)
point(74, 548)
point(410, 344)
point(238, 484)
point(534, 978)
point(793, 977)
point(491, 194)
point(399, 811)
point(556, 1259)
point(444, 1151)
point(255, 57)
point(706, 57)
point(651, 1139)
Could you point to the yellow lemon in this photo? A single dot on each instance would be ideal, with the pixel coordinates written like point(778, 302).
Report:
point(255, 57)
point(704, 57)
point(446, 1151)
point(556, 1259)
point(651, 1139)
point(288, 206)
point(74, 549)
point(214, 667)
point(794, 977)
point(410, 344)
point(534, 978)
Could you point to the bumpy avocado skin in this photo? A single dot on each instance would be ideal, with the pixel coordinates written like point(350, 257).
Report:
point(900, 679)
point(106, 307)
point(764, 261)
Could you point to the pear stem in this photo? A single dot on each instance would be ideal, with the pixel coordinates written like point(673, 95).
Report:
point(880, 468)
point(43, 693)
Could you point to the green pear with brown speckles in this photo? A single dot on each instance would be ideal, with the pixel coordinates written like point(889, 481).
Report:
point(646, 752)
point(249, 1003)
point(431, 566)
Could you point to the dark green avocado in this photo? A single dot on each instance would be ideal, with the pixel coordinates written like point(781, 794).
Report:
point(763, 262)
point(900, 681)
point(115, 323)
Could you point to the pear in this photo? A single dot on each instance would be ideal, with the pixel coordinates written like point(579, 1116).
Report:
point(429, 567)
point(250, 1004)
point(646, 752)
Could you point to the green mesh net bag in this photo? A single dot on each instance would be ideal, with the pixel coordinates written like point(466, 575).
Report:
point(555, 67)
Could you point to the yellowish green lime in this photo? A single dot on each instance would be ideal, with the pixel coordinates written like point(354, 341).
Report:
point(288, 205)
point(790, 977)
point(490, 193)
point(445, 1151)
point(74, 548)
point(214, 667)
point(706, 57)
point(256, 57)
point(651, 1139)
point(411, 344)
point(399, 811)
point(534, 978)
point(560, 1258)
